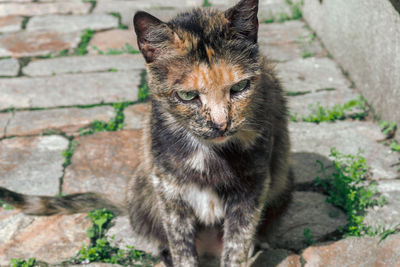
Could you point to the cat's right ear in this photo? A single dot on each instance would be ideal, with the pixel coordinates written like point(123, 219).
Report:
point(151, 34)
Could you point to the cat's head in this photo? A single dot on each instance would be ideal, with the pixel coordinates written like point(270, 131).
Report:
point(204, 68)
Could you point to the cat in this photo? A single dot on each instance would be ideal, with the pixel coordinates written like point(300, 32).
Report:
point(216, 146)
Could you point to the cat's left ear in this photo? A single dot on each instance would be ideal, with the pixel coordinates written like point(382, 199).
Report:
point(243, 19)
point(152, 35)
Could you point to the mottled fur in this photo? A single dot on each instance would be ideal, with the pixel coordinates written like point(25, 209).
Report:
point(214, 164)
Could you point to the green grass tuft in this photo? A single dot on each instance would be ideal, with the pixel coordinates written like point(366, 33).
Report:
point(308, 237)
point(69, 152)
point(114, 124)
point(354, 109)
point(100, 248)
point(144, 91)
point(206, 3)
point(349, 190)
point(85, 39)
point(22, 263)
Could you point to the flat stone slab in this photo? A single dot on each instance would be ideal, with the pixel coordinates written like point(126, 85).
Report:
point(30, 44)
point(103, 163)
point(304, 105)
point(51, 239)
point(307, 210)
point(135, 116)
point(160, 8)
point(78, 64)
point(123, 236)
point(10, 24)
point(364, 251)
point(66, 120)
point(287, 41)
point(311, 74)
point(9, 67)
point(72, 23)
point(4, 120)
point(115, 39)
point(38, 9)
point(277, 258)
point(32, 165)
point(68, 90)
point(348, 137)
point(387, 216)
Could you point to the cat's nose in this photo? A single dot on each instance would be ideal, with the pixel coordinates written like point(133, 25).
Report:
point(221, 126)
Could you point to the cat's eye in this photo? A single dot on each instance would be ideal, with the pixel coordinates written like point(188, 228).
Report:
point(186, 96)
point(240, 86)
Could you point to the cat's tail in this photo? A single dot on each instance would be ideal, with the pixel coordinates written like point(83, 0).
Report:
point(45, 205)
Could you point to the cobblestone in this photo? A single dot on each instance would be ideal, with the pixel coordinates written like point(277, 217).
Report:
point(10, 24)
point(9, 67)
point(30, 44)
point(67, 120)
point(88, 89)
point(115, 39)
point(72, 23)
point(32, 165)
point(38, 9)
point(82, 64)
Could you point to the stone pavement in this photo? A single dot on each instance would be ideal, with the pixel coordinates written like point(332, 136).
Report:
point(49, 91)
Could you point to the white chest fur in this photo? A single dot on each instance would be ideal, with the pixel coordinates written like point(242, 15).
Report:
point(206, 204)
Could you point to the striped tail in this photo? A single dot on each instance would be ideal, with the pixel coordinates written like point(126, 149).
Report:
point(45, 205)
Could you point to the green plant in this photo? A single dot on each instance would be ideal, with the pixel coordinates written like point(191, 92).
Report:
point(114, 124)
point(348, 189)
point(69, 152)
point(5, 205)
point(206, 3)
point(113, 70)
point(100, 248)
point(118, 16)
point(85, 39)
point(144, 91)
point(22, 263)
point(308, 237)
point(387, 128)
point(355, 109)
point(395, 146)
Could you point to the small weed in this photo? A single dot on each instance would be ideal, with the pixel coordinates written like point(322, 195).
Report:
point(296, 11)
point(307, 54)
point(349, 190)
point(113, 70)
point(100, 248)
point(85, 39)
point(144, 91)
point(25, 21)
point(305, 43)
point(387, 232)
point(308, 237)
point(388, 129)
point(5, 206)
point(46, 56)
point(206, 3)
point(395, 146)
point(114, 124)
point(118, 16)
point(269, 20)
point(22, 263)
point(69, 152)
point(338, 112)
point(297, 93)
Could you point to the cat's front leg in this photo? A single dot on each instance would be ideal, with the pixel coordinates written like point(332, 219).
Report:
point(241, 220)
point(179, 224)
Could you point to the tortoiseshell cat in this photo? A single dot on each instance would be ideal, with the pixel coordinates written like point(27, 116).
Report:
point(215, 151)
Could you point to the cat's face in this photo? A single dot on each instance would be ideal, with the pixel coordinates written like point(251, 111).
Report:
point(204, 73)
